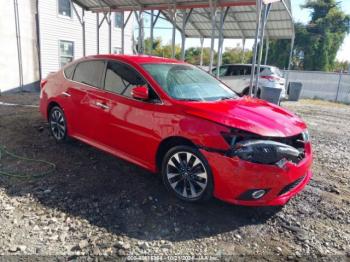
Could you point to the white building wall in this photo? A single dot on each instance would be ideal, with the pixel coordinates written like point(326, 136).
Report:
point(9, 72)
point(54, 28)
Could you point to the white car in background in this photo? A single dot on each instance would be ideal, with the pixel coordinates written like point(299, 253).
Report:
point(237, 77)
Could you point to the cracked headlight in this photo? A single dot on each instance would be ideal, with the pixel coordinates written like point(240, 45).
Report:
point(265, 152)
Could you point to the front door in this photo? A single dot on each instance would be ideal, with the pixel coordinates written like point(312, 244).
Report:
point(127, 127)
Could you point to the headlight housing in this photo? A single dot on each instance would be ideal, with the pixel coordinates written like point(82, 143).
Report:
point(266, 150)
point(306, 135)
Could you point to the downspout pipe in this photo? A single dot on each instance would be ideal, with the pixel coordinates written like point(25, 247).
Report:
point(19, 46)
point(38, 46)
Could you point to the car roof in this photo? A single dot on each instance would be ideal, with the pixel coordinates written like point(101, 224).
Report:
point(138, 59)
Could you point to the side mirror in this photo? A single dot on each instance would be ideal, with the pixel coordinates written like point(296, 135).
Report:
point(140, 92)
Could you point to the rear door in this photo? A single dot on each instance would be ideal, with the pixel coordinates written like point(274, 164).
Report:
point(83, 93)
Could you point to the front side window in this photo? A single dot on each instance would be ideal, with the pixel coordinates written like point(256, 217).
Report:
point(66, 52)
point(65, 8)
point(121, 79)
point(118, 20)
point(89, 72)
point(186, 82)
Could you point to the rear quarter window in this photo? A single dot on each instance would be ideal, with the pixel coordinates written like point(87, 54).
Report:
point(69, 71)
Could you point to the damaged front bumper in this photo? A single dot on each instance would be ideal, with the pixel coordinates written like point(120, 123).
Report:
point(235, 179)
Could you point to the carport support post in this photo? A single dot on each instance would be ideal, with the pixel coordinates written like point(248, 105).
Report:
point(98, 33)
point(84, 31)
point(290, 60)
point(221, 39)
point(201, 58)
point(151, 33)
point(267, 50)
point(291, 53)
point(265, 11)
point(213, 24)
point(185, 17)
point(109, 32)
point(243, 50)
point(140, 38)
point(173, 20)
point(122, 33)
point(123, 29)
point(259, 4)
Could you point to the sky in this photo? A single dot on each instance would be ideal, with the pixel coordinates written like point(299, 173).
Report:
point(300, 15)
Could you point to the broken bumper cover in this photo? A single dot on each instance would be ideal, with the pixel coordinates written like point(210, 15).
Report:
point(234, 177)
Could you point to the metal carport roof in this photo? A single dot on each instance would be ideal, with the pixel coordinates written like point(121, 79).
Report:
point(240, 22)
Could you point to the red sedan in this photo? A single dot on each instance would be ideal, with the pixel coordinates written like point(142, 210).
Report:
point(173, 118)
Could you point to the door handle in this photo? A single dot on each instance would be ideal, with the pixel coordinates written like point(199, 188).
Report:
point(66, 94)
point(102, 105)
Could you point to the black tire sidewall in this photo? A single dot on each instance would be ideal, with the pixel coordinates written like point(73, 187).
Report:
point(207, 193)
point(57, 108)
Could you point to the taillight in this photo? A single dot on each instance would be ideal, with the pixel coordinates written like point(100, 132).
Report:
point(43, 83)
point(270, 78)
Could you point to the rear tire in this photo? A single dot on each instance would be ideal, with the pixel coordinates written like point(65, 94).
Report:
point(58, 124)
point(187, 174)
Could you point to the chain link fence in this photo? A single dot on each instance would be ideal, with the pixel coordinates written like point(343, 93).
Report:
point(322, 85)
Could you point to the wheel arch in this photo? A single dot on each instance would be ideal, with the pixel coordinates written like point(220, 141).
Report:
point(50, 106)
point(168, 143)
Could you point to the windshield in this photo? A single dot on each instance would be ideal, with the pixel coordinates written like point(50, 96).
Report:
point(186, 82)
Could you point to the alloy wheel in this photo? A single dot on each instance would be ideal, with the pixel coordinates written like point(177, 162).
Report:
point(57, 124)
point(186, 175)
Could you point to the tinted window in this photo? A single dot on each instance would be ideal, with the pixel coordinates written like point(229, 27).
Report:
point(89, 72)
point(121, 78)
point(64, 7)
point(69, 71)
point(113, 81)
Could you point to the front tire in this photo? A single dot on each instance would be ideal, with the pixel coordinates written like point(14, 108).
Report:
point(58, 124)
point(186, 173)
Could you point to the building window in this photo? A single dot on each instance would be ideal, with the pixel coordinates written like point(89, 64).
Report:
point(118, 20)
point(66, 52)
point(117, 50)
point(65, 8)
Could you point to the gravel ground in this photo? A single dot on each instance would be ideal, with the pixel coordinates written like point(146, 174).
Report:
point(95, 205)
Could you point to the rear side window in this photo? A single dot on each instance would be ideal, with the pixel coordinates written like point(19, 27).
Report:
point(69, 71)
point(89, 72)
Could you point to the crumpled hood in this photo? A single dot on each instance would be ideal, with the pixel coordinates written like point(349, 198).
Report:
point(249, 114)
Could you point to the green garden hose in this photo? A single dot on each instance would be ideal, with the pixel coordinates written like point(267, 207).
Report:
point(4, 151)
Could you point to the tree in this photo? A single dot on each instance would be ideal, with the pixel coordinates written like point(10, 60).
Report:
point(235, 55)
point(316, 43)
point(327, 30)
point(193, 54)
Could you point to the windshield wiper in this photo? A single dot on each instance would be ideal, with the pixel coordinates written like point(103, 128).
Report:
point(188, 99)
point(226, 98)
